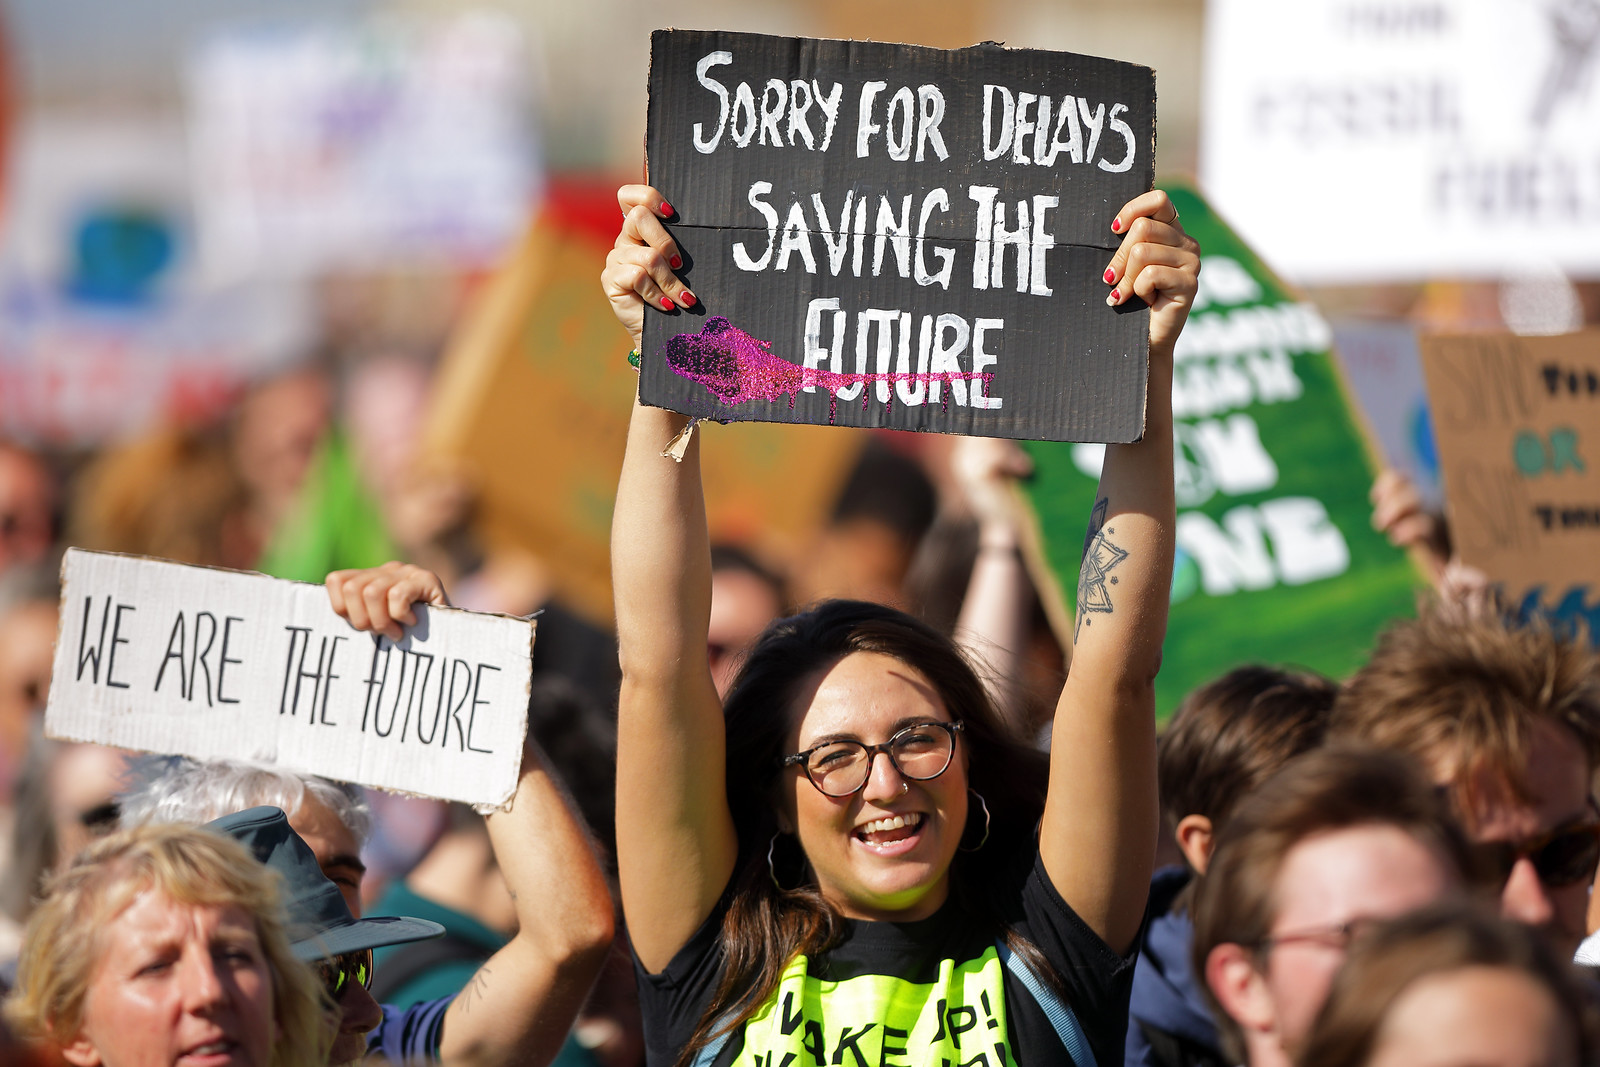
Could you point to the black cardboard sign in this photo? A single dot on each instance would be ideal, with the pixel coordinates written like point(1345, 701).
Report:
point(896, 236)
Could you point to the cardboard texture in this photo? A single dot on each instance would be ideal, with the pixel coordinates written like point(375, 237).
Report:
point(1518, 426)
point(533, 400)
point(897, 236)
point(163, 657)
point(1276, 561)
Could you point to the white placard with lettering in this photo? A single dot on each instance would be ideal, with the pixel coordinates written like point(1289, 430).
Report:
point(1356, 142)
point(163, 657)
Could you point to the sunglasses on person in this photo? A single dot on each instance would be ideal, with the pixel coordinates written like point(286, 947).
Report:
point(337, 972)
point(840, 768)
point(1562, 857)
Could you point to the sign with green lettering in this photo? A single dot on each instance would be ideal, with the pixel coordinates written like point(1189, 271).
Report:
point(1277, 561)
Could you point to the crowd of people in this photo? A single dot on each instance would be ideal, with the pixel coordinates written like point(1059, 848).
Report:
point(868, 815)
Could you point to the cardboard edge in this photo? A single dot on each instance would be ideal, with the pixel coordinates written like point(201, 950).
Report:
point(259, 574)
point(484, 333)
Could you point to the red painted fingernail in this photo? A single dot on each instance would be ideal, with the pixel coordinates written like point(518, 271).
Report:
point(666, 208)
point(688, 299)
point(1116, 294)
point(1116, 225)
point(676, 261)
point(1111, 275)
point(667, 304)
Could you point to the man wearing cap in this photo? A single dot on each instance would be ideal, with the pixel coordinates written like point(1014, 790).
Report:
point(321, 929)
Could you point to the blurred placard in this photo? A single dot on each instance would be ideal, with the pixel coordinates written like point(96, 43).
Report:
point(216, 664)
point(1384, 370)
point(356, 145)
point(534, 398)
point(1277, 561)
point(1518, 423)
point(1386, 141)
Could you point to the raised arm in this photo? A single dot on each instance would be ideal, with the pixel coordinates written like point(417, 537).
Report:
point(519, 1006)
point(993, 626)
point(675, 838)
point(1098, 837)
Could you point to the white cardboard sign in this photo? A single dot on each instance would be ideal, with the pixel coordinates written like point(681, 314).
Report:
point(208, 663)
point(1362, 142)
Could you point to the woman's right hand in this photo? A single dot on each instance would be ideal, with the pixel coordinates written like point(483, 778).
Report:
point(639, 268)
point(379, 599)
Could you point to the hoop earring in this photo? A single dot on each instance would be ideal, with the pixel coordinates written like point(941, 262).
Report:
point(985, 806)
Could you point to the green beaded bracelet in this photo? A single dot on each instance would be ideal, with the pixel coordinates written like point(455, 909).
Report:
point(633, 359)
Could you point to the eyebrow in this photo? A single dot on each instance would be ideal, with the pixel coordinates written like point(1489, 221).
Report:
point(909, 721)
point(346, 859)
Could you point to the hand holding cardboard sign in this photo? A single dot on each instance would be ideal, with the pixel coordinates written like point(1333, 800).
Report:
point(379, 599)
point(1157, 261)
point(639, 269)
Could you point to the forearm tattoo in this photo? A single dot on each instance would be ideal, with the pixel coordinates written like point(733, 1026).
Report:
point(1100, 558)
point(474, 989)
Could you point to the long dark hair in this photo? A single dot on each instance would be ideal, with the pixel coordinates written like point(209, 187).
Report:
point(766, 926)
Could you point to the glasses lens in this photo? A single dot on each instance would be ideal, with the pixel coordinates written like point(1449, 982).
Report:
point(923, 751)
point(1569, 858)
point(839, 769)
point(342, 969)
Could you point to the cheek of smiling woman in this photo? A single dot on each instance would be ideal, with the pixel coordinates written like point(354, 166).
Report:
point(166, 944)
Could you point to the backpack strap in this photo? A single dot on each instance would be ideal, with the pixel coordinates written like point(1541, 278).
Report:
point(713, 1048)
point(1055, 1009)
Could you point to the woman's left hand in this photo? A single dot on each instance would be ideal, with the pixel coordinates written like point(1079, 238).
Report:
point(1157, 261)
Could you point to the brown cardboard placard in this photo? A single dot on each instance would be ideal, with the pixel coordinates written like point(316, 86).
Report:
point(218, 664)
point(897, 236)
point(1517, 421)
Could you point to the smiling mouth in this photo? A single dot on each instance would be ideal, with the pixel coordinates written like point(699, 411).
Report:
point(890, 830)
point(210, 1050)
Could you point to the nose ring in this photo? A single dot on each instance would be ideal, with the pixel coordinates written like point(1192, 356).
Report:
point(905, 787)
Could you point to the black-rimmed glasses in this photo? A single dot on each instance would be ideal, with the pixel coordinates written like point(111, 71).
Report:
point(337, 972)
point(840, 768)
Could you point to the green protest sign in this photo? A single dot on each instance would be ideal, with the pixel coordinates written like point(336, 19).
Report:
point(1277, 561)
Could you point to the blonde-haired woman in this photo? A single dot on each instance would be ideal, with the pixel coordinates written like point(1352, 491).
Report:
point(166, 945)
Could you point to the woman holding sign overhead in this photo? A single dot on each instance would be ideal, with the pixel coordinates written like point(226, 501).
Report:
point(850, 861)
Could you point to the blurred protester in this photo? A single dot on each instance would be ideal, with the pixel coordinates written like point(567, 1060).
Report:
point(29, 607)
point(66, 798)
point(745, 597)
point(1337, 838)
point(1225, 739)
point(173, 494)
point(1507, 719)
point(331, 817)
point(27, 508)
point(865, 551)
point(277, 429)
point(161, 945)
point(1453, 987)
point(1399, 513)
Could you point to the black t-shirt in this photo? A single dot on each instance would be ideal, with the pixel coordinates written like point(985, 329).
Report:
point(931, 993)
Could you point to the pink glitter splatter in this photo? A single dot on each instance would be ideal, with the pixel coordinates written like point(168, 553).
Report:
point(739, 368)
